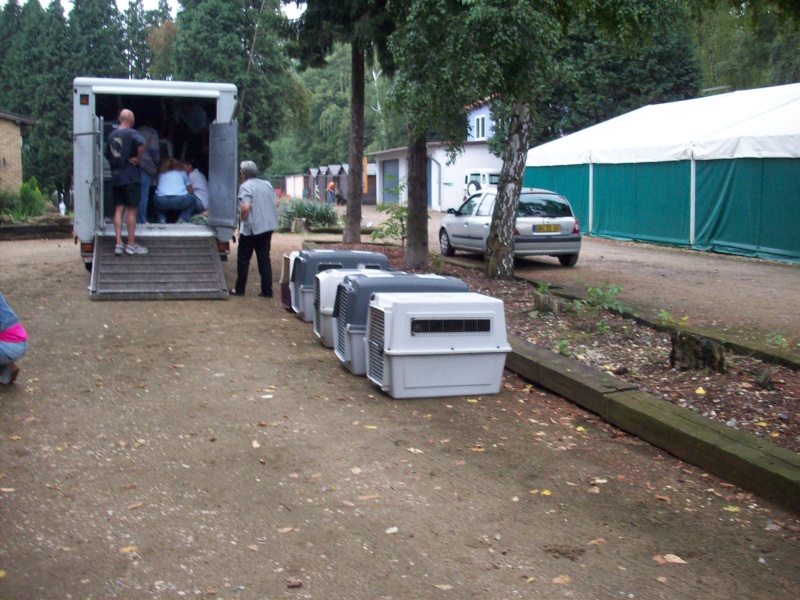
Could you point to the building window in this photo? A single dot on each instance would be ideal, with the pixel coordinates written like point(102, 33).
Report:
point(479, 132)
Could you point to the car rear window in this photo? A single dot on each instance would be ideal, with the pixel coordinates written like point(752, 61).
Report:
point(543, 205)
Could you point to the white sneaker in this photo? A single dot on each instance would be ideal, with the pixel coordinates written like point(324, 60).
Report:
point(119, 250)
point(135, 249)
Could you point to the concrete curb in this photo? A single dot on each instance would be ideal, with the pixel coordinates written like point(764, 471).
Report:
point(738, 457)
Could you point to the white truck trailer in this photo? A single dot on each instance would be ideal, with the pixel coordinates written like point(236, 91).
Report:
point(184, 260)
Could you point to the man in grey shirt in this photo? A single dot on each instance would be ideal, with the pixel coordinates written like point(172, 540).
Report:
point(258, 218)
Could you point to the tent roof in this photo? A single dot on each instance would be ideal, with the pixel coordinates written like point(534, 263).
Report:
point(759, 123)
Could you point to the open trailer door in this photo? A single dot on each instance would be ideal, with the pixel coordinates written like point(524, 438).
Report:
point(222, 178)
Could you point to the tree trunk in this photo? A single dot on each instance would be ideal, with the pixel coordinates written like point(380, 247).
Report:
point(352, 225)
point(416, 255)
point(500, 245)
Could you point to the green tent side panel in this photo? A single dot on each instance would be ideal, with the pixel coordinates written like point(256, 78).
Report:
point(646, 202)
point(749, 207)
point(571, 181)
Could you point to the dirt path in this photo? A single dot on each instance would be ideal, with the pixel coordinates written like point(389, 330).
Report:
point(214, 449)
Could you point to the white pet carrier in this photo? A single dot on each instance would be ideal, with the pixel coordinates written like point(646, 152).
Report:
point(436, 344)
point(325, 287)
point(286, 279)
point(310, 262)
point(352, 305)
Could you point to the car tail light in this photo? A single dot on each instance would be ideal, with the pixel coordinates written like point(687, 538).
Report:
point(577, 228)
point(516, 231)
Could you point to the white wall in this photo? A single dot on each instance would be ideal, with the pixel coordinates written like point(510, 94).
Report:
point(447, 181)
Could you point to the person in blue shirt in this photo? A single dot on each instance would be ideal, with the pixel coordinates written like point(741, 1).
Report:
point(174, 192)
point(124, 150)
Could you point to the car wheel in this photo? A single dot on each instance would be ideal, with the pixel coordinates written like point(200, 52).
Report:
point(445, 245)
point(568, 260)
point(472, 187)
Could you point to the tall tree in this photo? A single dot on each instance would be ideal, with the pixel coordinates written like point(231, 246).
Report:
point(365, 25)
point(24, 60)
point(48, 154)
point(10, 24)
point(137, 52)
point(98, 39)
point(500, 58)
point(238, 41)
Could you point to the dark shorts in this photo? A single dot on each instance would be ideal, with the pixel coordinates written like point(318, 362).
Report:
point(128, 195)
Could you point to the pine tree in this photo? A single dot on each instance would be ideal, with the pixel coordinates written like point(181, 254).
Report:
point(48, 154)
point(98, 39)
point(137, 53)
point(236, 41)
point(10, 24)
point(23, 60)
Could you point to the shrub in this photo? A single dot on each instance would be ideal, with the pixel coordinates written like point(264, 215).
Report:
point(316, 214)
point(31, 200)
point(395, 226)
point(9, 201)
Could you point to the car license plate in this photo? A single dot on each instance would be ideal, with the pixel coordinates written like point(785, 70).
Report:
point(548, 228)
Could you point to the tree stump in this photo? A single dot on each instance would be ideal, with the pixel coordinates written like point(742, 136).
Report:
point(692, 352)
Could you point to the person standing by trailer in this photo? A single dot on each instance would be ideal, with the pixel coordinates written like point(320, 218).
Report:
point(258, 218)
point(149, 166)
point(124, 149)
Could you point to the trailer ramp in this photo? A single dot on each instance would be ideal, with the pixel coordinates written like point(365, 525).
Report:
point(176, 267)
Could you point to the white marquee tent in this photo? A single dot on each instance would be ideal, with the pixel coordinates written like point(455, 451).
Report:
point(709, 173)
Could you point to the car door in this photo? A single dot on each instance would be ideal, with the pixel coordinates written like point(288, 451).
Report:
point(479, 224)
point(458, 229)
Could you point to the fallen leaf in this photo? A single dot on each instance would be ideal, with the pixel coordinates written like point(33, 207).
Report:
point(661, 579)
point(471, 400)
point(136, 505)
point(546, 492)
point(477, 449)
point(128, 549)
point(294, 583)
point(664, 559)
point(762, 423)
point(355, 470)
point(14, 438)
point(732, 508)
point(561, 580)
point(261, 424)
point(253, 547)
point(699, 391)
point(370, 497)
point(580, 428)
point(391, 530)
point(444, 586)
point(597, 542)
point(7, 490)
point(415, 451)
point(287, 529)
point(594, 490)
point(256, 444)
point(663, 498)
point(370, 426)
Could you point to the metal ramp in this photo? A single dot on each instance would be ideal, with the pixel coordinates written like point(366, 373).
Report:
point(177, 267)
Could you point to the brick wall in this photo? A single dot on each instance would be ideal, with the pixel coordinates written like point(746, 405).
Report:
point(10, 155)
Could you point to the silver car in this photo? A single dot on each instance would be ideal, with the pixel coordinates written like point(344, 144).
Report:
point(545, 226)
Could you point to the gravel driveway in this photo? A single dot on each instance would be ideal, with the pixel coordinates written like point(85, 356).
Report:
point(216, 450)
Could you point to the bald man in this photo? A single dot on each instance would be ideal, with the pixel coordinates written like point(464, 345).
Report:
point(124, 148)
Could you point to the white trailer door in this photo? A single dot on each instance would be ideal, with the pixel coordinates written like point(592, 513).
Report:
point(222, 171)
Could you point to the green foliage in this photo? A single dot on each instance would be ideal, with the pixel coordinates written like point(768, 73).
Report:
point(543, 287)
point(31, 200)
point(395, 226)
point(435, 262)
point(316, 214)
point(562, 347)
point(236, 41)
point(665, 318)
point(9, 201)
point(602, 327)
point(604, 296)
point(776, 339)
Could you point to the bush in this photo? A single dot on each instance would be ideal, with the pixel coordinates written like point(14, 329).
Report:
point(31, 200)
point(316, 214)
point(8, 201)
